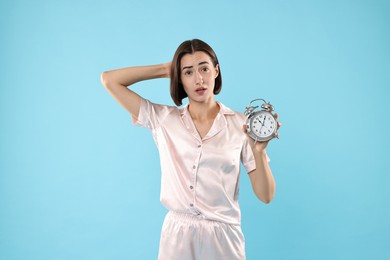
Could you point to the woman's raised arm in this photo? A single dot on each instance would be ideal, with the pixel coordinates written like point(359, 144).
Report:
point(117, 81)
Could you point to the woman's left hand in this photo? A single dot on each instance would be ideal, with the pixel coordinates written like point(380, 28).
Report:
point(261, 146)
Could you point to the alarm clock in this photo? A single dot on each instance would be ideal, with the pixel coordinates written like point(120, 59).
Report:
point(261, 125)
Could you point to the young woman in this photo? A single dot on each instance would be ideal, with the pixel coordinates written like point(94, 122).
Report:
point(201, 146)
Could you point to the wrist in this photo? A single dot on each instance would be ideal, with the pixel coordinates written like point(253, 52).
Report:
point(259, 148)
point(166, 69)
point(261, 152)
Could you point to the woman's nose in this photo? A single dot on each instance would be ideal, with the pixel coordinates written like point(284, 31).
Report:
point(199, 78)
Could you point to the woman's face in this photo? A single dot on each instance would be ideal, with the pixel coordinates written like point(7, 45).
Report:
point(197, 74)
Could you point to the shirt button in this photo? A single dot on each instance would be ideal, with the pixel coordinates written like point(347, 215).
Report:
point(191, 187)
point(193, 167)
point(199, 146)
point(191, 205)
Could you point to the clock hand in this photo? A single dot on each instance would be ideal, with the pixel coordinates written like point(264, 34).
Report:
point(262, 124)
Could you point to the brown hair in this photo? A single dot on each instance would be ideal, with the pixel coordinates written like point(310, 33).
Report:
point(189, 47)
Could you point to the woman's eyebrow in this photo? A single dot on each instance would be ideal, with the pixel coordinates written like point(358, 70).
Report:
point(203, 62)
point(200, 63)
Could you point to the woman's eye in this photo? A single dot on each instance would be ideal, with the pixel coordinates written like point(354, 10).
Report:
point(187, 73)
point(205, 69)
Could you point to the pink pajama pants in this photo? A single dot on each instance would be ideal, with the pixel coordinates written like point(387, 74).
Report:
point(191, 237)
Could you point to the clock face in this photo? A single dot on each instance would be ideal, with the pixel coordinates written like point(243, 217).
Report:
point(262, 124)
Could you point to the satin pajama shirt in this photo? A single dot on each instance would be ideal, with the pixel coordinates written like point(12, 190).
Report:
point(199, 181)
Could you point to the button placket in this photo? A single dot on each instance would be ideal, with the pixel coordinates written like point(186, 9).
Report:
point(194, 174)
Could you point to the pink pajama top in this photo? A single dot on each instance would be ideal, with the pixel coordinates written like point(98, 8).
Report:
point(199, 176)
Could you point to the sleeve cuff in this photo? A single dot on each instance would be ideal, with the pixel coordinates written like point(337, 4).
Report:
point(250, 166)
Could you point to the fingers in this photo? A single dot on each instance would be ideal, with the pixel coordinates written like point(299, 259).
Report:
point(277, 134)
point(276, 115)
point(279, 125)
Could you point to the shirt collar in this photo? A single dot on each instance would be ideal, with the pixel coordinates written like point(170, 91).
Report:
point(219, 124)
point(222, 109)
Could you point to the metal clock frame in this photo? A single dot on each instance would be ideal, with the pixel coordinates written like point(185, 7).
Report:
point(251, 113)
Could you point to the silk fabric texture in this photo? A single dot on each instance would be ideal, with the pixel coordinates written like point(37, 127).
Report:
point(199, 176)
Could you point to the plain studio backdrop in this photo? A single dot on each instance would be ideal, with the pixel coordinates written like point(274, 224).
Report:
point(79, 181)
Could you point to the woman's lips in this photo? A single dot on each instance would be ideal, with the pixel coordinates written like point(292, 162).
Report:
point(201, 90)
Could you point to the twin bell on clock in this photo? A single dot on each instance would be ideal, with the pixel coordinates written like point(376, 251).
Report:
point(261, 124)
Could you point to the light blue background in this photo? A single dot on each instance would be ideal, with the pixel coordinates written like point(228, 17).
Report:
point(78, 181)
